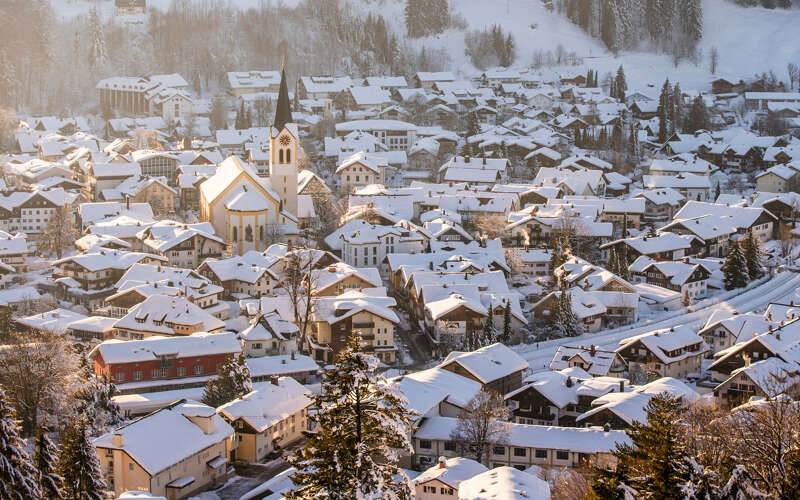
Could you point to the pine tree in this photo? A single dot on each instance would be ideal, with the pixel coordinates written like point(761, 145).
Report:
point(656, 451)
point(558, 255)
point(473, 128)
point(717, 192)
point(701, 482)
point(98, 56)
point(741, 486)
point(363, 425)
point(232, 381)
point(46, 461)
point(753, 255)
point(621, 84)
point(677, 113)
point(78, 464)
point(488, 327)
point(663, 113)
point(698, 116)
point(735, 268)
point(18, 474)
point(507, 334)
point(564, 317)
point(94, 399)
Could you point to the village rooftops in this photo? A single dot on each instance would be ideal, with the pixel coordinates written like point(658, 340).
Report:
point(269, 326)
point(108, 259)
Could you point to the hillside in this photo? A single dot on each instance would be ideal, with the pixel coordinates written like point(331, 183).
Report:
point(744, 37)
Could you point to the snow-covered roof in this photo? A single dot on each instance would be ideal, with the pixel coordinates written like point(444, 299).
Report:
point(489, 363)
point(159, 313)
point(167, 234)
point(268, 404)
point(339, 271)
point(56, 321)
point(581, 440)
point(504, 483)
point(669, 345)
point(452, 471)
point(108, 259)
point(194, 345)
point(168, 436)
point(425, 389)
point(599, 361)
point(332, 310)
point(680, 181)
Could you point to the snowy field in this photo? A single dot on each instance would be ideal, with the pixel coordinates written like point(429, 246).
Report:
point(744, 38)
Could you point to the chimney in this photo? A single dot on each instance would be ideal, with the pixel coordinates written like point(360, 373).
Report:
point(778, 335)
point(442, 463)
point(273, 380)
point(293, 356)
point(686, 260)
point(118, 440)
point(621, 386)
point(127, 202)
point(592, 350)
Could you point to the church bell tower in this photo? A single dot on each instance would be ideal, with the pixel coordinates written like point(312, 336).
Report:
point(284, 142)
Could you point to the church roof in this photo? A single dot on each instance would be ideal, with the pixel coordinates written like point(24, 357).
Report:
point(248, 201)
point(226, 174)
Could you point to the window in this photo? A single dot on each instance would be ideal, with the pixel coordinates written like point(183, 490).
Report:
point(235, 235)
point(425, 443)
point(562, 455)
point(499, 450)
point(450, 445)
point(540, 454)
point(120, 377)
point(446, 491)
point(137, 375)
point(280, 156)
point(181, 371)
point(288, 156)
point(198, 370)
point(519, 452)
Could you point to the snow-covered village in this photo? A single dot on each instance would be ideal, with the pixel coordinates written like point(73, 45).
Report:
point(399, 249)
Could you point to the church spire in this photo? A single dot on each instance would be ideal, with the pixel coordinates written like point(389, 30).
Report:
point(283, 113)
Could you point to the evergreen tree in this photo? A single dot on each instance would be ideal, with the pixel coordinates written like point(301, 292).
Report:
point(78, 464)
point(717, 192)
point(488, 327)
point(558, 255)
point(232, 381)
point(701, 482)
point(98, 56)
point(677, 113)
point(753, 255)
point(620, 84)
point(663, 113)
point(741, 486)
point(698, 116)
point(363, 425)
point(94, 399)
point(46, 461)
point(653, 463)
point(564, 317)
point(18, 474)
point(473, 129)
point(507, 334)
point(735, 268)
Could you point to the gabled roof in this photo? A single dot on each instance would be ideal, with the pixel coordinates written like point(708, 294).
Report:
point(268, 404)
point(489, 363)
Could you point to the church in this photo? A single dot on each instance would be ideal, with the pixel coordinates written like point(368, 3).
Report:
point(249, 211)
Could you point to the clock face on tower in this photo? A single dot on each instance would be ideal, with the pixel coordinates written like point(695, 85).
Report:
point(284, 140)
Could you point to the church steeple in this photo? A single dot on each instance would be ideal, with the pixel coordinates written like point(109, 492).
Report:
point(283, 112)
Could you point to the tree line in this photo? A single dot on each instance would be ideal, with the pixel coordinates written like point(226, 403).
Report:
point(672, 26)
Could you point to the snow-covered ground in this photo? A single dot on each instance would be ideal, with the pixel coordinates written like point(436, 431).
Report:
point(782, 287)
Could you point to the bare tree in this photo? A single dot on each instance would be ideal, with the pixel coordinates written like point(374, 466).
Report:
point(794, 75)
point(35, 369)
point(482, 424)
point(300, 286)
point(766, 437)
point(59, 232)
point(569, 484)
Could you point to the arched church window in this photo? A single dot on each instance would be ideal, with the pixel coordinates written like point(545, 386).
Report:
point(288, 156)
point(261, 233)
point(280, 156)
point(235, 235)
point(248, 233)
